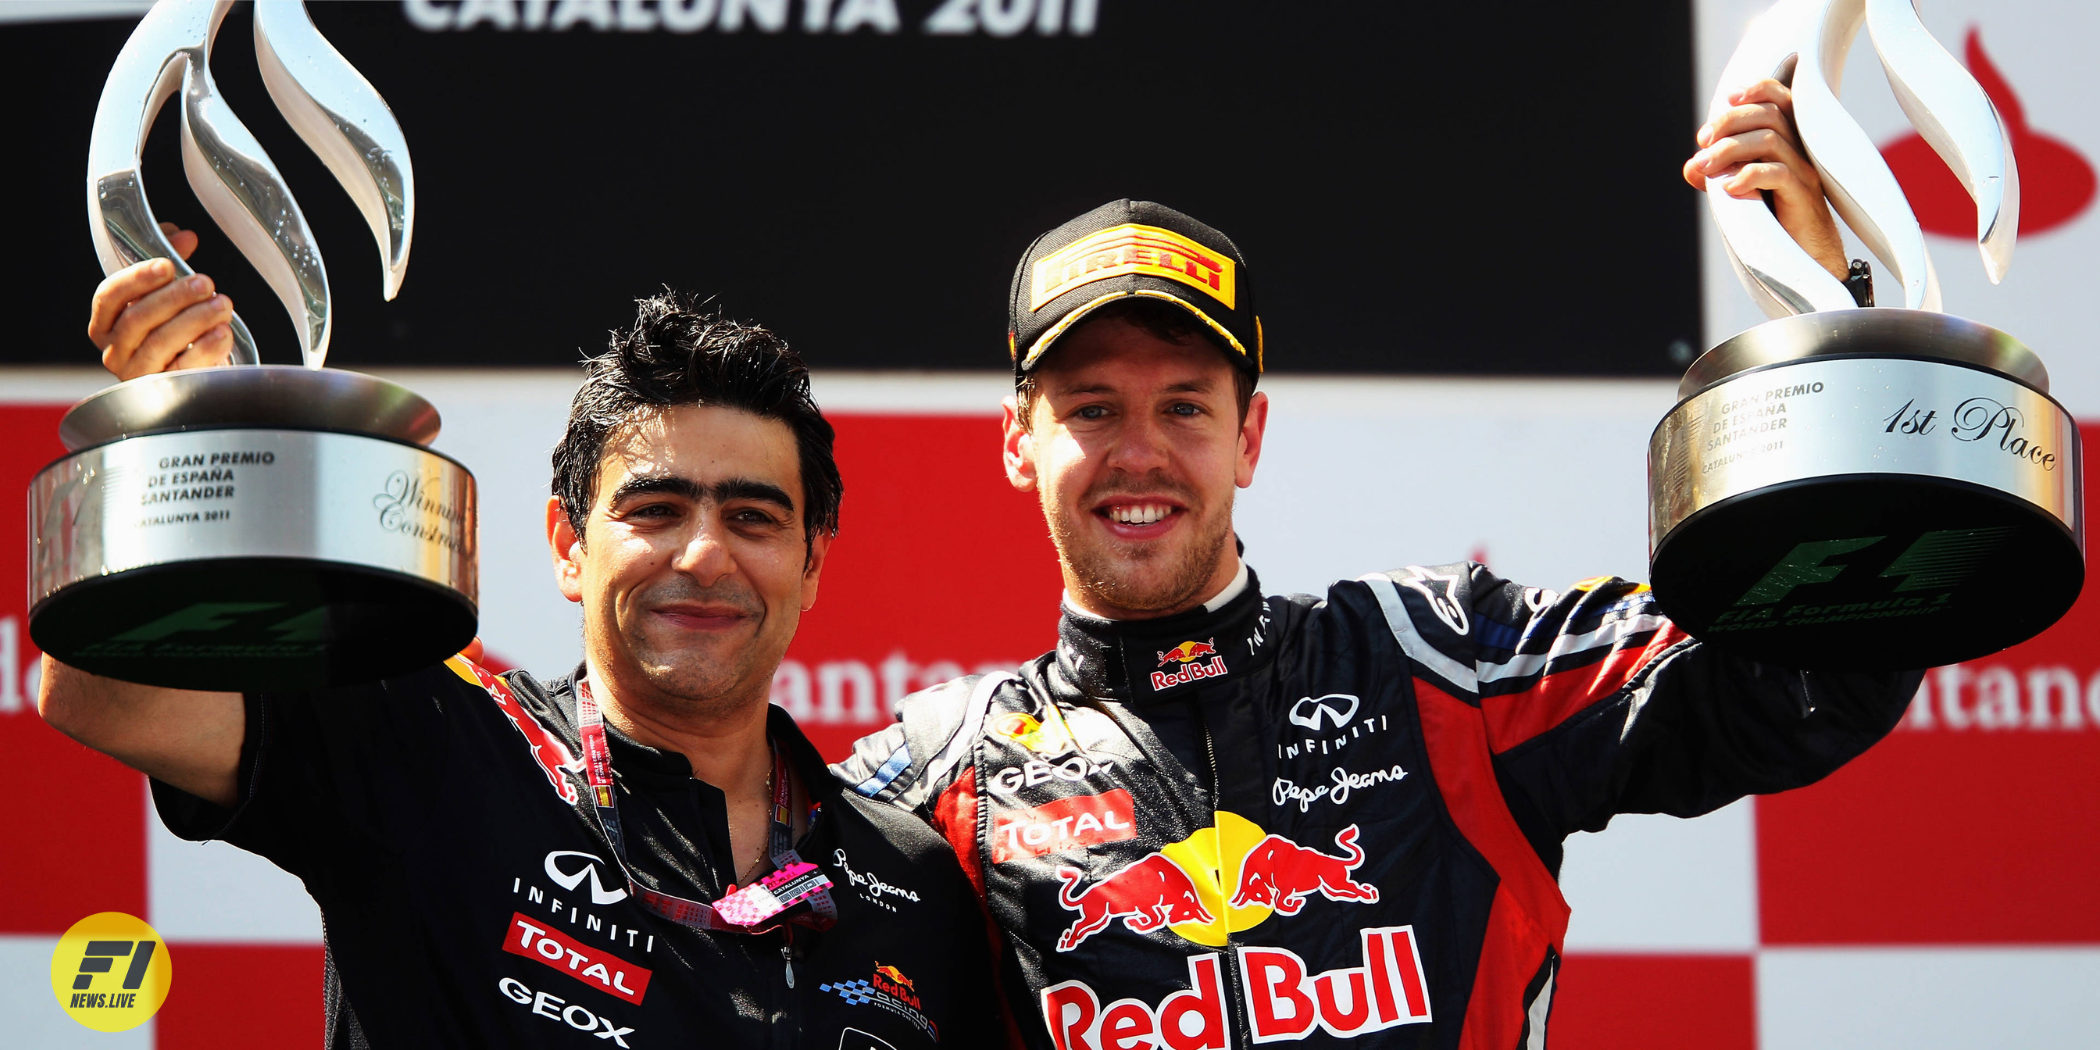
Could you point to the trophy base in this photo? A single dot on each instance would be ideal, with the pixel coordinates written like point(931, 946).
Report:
point(252, 528)
point(1866, 490)
point(252, 624)
point(1868, 572)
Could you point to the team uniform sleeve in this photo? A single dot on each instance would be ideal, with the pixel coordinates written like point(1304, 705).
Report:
point(924, 763)
point(911, 762)
point(330, 776)
point(1597, 704)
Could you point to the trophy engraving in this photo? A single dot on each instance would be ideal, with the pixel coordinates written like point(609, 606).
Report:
point(255, 526)
point(1877, 487)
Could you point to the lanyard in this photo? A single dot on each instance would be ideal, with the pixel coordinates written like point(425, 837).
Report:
point(792, 881)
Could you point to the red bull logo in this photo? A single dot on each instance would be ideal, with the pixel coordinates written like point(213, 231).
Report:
point(1281, 874)
point(1050, 736)
point(1183, 887)
point(1190, 664)
point(1146, 895)
point(547, 749)
point(1283, 1000)
point(891, 982)
point(1189, 652)
point(1186, 1020)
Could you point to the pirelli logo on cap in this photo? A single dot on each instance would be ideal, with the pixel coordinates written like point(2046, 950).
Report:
point(1132, 248)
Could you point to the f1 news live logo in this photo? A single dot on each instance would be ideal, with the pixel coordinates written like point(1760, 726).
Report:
point(111, 972)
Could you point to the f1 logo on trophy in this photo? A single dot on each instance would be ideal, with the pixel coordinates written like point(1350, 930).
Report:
point(255, 526)
point(1862, 487)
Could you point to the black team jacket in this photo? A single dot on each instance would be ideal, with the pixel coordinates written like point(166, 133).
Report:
point(1335, 820)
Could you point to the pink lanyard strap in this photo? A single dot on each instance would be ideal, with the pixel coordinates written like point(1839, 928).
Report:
point(792, 881)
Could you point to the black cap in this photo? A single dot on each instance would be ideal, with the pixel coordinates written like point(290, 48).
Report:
point(1131, 248)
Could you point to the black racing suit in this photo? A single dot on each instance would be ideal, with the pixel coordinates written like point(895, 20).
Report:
point(1293, 818)
point(443, 822)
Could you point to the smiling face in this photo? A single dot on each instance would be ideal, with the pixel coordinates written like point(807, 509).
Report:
point(692, 571)
point(1134, 445)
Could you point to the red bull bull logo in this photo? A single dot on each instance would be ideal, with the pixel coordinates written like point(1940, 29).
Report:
point(1183, 887)
point(1050, 736)
point(1188, 660)
point(1146, 895)
point(1281, 874)
point(1283, 1000)
point(896, 977)
point(1189, 652)
point(547, 749)
point(891, 982)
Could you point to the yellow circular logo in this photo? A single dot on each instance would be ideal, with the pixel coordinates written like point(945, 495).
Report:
point(1213, 858)
point(111, 972)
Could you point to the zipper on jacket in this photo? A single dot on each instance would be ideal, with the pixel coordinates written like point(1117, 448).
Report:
point(1210, 753)
point(1225, 967)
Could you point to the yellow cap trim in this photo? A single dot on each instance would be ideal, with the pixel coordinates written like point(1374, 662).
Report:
point(1042, 342)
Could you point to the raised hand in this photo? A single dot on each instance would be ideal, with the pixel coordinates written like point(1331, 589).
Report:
point(145, 321)
point(1754, 149)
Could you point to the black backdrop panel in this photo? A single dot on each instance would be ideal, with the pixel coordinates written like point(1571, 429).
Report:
point(1482, 188)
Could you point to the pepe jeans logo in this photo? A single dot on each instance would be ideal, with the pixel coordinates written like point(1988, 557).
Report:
point(1976, 421)
point(406, 507)
point(870, 885)
point(1285, 792)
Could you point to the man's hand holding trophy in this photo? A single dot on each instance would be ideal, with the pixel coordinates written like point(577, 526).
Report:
point(1853, 486)
point(258, 526)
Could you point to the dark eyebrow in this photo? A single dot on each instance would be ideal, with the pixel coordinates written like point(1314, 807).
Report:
point(718, 492)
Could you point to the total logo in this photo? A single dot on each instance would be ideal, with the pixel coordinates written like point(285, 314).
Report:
point(1065, 824)
point(1183, 886)
point(1189, 663)
point(593, 966)
point(1284, 1001)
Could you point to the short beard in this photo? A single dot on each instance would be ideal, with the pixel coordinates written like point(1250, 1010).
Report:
point(1106, 580)
point(700, 686)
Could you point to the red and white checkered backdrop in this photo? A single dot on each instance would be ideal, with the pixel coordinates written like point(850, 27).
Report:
point(1938, 892)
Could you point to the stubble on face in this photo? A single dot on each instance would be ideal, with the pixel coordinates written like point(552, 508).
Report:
point(1151, 577)
point(707, 679)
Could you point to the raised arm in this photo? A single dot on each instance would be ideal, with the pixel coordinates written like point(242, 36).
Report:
point(144, 321)
point(1597, 704)
point(187, 740)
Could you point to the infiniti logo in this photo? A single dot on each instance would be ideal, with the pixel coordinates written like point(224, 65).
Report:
point(569, 880)
point(1309, 711)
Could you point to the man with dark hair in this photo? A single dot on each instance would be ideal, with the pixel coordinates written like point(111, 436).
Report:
point(644, 853)
point(1210, 818)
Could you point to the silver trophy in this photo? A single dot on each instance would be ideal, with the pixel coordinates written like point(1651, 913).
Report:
point(255, 526)
point(1866, 488)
